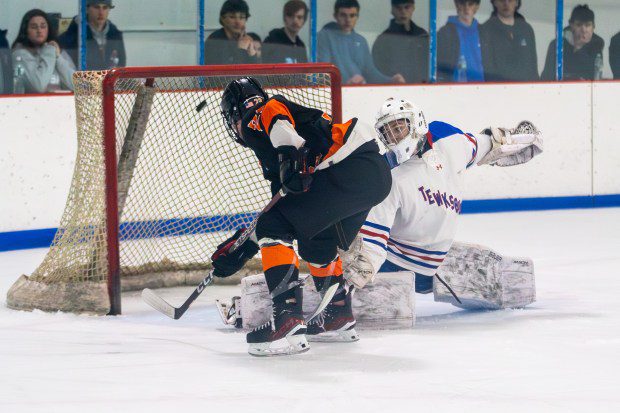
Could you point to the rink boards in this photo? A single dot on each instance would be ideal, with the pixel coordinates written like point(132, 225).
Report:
point(581, 158)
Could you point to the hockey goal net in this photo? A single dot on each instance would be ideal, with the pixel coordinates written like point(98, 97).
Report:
point(158, 183)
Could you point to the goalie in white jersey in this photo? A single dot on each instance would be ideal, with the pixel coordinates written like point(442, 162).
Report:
point(413, 228)
point(408, 237)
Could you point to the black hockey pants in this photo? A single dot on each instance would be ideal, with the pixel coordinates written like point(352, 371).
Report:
point(331, 212)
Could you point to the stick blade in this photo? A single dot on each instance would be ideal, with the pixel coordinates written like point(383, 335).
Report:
point(329, 294)
point(158, 303)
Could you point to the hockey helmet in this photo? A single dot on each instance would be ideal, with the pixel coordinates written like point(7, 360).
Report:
point(238, 98)
point(399, 119)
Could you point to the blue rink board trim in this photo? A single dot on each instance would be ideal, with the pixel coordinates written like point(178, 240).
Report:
point(41, 238)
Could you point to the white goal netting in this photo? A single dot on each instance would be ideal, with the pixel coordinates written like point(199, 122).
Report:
point(183, 185)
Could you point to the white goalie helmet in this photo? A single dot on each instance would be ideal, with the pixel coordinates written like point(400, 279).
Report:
point(398, 120)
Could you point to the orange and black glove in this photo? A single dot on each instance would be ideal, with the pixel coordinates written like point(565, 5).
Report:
point(226, 262)
point(294, 174)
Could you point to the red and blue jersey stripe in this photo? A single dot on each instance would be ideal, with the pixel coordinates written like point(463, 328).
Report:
point(415, 255)
point(418, 259)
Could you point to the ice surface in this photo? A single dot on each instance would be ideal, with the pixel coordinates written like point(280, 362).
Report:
point(560, 354)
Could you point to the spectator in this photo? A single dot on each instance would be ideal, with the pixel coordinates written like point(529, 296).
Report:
point(6, 68)
point(341, 45)
point(231, 44)
point(403, 46)
point(581, 47)
point(459, 57)
point(284, 45)
point(258, 46)
point(47, 67)
point(508, 44)
point(614, 55)
point(105, 48)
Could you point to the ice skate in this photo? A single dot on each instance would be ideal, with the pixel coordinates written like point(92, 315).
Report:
point(283, 334)
point(335, 324)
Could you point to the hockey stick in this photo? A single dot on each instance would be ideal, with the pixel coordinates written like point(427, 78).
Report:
point(175, 313)
point(327, 297)
point(449, 289)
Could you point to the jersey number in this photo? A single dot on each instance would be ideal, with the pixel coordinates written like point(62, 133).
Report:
point(255, 122)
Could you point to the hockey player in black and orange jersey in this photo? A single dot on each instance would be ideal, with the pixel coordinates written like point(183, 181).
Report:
point(332, 175)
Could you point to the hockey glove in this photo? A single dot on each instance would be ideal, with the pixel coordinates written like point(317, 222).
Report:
point(225, 262)
point(513, 146)
point(294, 174)
point(357, 266)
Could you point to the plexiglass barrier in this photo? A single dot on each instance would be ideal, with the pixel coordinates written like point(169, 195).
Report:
point(379, 42)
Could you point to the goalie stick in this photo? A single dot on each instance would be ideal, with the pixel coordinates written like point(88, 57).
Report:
point(175, 313)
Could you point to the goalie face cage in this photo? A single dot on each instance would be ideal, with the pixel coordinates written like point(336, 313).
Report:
point(158, 183)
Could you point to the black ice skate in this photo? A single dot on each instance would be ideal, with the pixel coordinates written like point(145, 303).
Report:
point(283, 334)
point(335, 323)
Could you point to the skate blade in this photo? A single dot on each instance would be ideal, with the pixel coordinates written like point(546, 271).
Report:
point(283, 347)
point(346, 334)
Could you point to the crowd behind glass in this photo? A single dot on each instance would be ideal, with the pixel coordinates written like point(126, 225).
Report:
point(503, 48)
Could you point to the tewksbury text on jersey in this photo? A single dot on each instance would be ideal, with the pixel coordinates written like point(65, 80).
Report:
point(441, 199)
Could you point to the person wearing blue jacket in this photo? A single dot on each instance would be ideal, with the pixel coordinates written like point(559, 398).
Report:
point(338, 43)
point(459, 56)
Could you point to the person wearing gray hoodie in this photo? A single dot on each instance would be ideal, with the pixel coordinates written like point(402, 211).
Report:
point(47, 67)
point(339, 44)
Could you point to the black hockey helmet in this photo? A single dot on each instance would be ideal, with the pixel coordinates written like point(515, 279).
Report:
point(240, 96)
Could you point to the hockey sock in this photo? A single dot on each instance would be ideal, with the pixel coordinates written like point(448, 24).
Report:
point(333, 270)
point(281, 268)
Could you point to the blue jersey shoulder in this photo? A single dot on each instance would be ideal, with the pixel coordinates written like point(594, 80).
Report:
point(440, 130)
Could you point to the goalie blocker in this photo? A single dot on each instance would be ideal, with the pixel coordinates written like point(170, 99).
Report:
point(481, 278)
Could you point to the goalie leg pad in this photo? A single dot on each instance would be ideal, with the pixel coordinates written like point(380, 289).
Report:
point(484, 279)
point(388, 303)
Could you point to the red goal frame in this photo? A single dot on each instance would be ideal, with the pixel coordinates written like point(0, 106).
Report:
point(109, 141)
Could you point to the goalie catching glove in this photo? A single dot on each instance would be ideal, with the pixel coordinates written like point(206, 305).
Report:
point(294, 173)
point(513, 146)
point(225, 262)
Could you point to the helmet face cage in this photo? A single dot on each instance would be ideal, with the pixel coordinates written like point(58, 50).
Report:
point(392, 129)
point(398, 120)
point(231, 126)
point(238, 97)
point(230, 111)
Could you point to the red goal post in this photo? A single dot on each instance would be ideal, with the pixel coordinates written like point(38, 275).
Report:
point(157, 183)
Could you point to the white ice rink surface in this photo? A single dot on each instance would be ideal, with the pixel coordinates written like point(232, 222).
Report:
point(560, 354)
